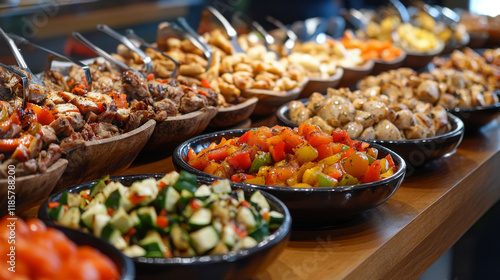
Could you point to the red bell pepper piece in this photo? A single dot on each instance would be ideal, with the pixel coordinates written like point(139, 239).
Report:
point(240, 177)
point(390, 160)
point(10, 145)
point(240, 160)
point(162, 222)
point(317, 138)
point(278, 151)
point(218, 154)
point(199, 162)
point(373, 173)
point(245, 137)
point(205, 83)
point(325, 150)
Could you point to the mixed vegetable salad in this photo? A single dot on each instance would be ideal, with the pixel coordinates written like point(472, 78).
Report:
point(300, 157)
point(169, 217)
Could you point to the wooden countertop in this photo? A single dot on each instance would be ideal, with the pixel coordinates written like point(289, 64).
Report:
point(403, 237)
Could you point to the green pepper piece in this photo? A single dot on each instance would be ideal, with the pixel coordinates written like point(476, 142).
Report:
point(345, 148)
point(261, 159)
point(326, 181)
point(348, 180)
point(370, 158)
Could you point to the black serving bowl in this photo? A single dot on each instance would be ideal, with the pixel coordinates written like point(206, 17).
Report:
point(415, 152)
point(309, 207)
point(124, 264)
point(476, 117)
point(242, 264)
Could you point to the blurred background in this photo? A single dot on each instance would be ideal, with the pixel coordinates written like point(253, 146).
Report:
point(50, 23)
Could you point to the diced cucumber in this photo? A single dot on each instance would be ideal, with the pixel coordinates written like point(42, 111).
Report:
point(71, 218)
point(167, 199)
point(147, 215)
point(228, 236)
point(99, 223)
point(147, 188)
point(186, 196)
point(248, 242)
point(180, 237)
point(113, 200)
point(110, 188)
point(57, 213)
point(204, 239)
point(153, 244)
point(134, 251)
point(99, 186)
point(63, 199)
point(121, 221)
point(246, 216)
point(70, 199)
point(219, 249)
point(114, 237)
point(203, 192)
point(275, 219)
point(88, 216)
point(170, 178)
point(260, 233)
point(200, 218)
point(99, 198)
point(221, 186)
point(186, 181)
point(240, 194)
point(258, 199)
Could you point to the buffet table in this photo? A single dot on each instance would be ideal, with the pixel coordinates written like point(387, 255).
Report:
point(403, 237)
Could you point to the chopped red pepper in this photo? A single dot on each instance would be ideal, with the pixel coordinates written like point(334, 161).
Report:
point(278, 151)
point(136, 199)
point(240, 177)
point(150, 77)
point(245, 137)
point(317, 138)
point(162, 222)
point(348, 153)
point(10, 145)
point(373, 173)
point(54, 204)
point(161, 185)
point(390, 160)
point(194, 204)
point(240, 160)
point(205, 83)
point(218, 154)
point(200, 162)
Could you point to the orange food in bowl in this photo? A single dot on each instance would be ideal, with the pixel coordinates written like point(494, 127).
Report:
point(372, 48)
point(46, 253)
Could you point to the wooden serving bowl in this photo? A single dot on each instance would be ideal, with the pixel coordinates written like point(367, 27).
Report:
point(417, 60)
point(321, 84)
point(31, 189)
point(382, 66)
point(269, 100)
point(229, 116)
point(101, 157)
point(353, 74)
point(174, 130)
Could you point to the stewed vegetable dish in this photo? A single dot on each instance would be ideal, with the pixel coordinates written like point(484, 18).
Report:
point(301, 157)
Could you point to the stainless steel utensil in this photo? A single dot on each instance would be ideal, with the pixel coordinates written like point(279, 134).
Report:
point(292, 37)
point(231, 32)
point(197, 40)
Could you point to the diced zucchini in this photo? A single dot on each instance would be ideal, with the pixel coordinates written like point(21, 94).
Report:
point(113, 200)
point(147, 215)
point(204, 239)
point(200, 218)
point(221, 186)
point(71, 218)
point(153, 244)
point(228, 236)
point(240, 194)
point(246, 216)
point(99, 186)
point(203, 192)
point(260, 233)
point(63, 199)
point(275, 219)
point(88, 216)
point(99, 223)
point(170, 178)
point(134, 251)
point(258, 199)
point(167, 199)
point(180, 237)
point(186, 181)
point(121, 221)
point(110, 188)
point(114, 237)
point(219, 249)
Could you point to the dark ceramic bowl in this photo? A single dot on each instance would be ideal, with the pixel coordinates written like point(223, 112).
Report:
point(309, 207)
point(415, 152)
point(476, 117)
point(124, 264)
point(242, 264)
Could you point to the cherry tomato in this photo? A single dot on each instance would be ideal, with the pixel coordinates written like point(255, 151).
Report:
point(356, 164)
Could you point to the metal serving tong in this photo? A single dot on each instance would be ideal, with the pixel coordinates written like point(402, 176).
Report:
point(403, 12)
point(196, 39)
point(22, 63)
point(132, 36)
point(24, 80)
point(54, 56)
point(252, 24)
point(231, 32)
point(292, 37)
point(129, 44)
point(115, 62)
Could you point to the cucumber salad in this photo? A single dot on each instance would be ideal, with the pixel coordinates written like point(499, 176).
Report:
point(169, 217)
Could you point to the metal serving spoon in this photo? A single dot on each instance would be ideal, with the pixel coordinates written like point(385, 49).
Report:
point(252, 24)
point(292, 37)
point(231, 32)
point(196, 39)
point(131, 35)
